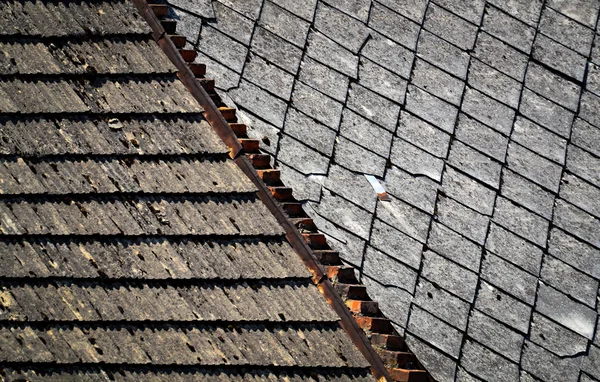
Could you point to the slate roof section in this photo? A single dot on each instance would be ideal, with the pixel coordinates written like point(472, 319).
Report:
point(131, 246)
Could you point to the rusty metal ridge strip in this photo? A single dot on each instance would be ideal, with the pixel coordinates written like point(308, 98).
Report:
point(222, 128)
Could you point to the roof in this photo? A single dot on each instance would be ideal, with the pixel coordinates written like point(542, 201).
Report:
point(481, 121)
point(131, 246)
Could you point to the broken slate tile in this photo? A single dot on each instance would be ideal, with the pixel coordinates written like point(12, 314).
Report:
point(416, 161)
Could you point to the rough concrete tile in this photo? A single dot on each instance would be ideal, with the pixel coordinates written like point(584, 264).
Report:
point(232, 23)
point(487, 110)
point(586, 136)
point(224, 77)
point(527, 194)
point(559, 57)
point(546, 113)
point(520, 221)
point(495, 335)
point(508, 29)
point(437, 333)
point(450, 27)
point(556, 338)
point(317, 105)
point(589, 108)
point(566, 31)
point(540, 140)
point(413, 9)
point(393, 302)
point(569, 280)
point(423, 135)
point(509, 278)
point(494, 83)
point(580, 193)
point(211, 43)
point(486, 364)
point(372, 106)
point(381, 81)
point(388, 271)
point(345, 214)
point(454, 246)
point(514, 249)
point(350, 246)
point(276, 50)
point(501, 56)
point(324, 79)
point(441, 304)
point(301, 157)
point(302, 8)
point(565, 311)
point(357, 158)
point(547, 366)
point(268, 76)
point(309, 131)
point(582, 163)
point(416, 190)
point(580, 255)
point(468, 191)
point(576, 221)
point(534, 167)
point(416, 161)
point(331, 54)
point(305, 187)
point(396, 244)
point(527, 11)
point(351, 186)
point(469, 10)
point(481, 137)
point(437, 82)
point(431, 109)
point(584, 11)
point(462, 219)
point(475, 164)
point(389, 54)
point(250, 8)
point(341, 28)
point(394, 26)
point(259, 102)
point(503, 307)
point(443, 54)
point(554, 87)
point(366, 133)
point(405, 218)
point(452, 277)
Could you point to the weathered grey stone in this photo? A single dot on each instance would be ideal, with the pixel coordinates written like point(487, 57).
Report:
point(583, 164)
point(388, 271)
point(574, 252)
point(275, 49)
point(462, 219)
point(487, 110)
point(351, 186)
point(470, 10)
point(566, 31)
point(475, 164)
point(268, 76)
point(569, 280)
point(565, 311)
point(450, 27)
point(372, 106)
point(423, 135)
point(259, 102)
point(508, 29)
point(546, 113)
point(463, 376)
point(341, 28)
point(394, 26)
point(494, 83)
point(317, 105)
point(454, 246)
point(468, 191)
point(405, 218)
point(534, 167)
point(553, 87)
point(440, 367)
point(211, 43)
point(416, 161)
point(503, 307)
point(324, 79)
point(540, 140)
point(393, 302)
point(188, 24)
point(586, 136)
point(559, 57)
point(357, 158)
point(350, 246)
point(589, 108)
point(396, 244)
point(501, 56)
point(584, 11)
point(258, 129)
point(549, 367)
point(485, 364)
point(495, 335)
point(301, 157)
point(437, 82)
point(558, 339)
point(514, 249)
point(250, 8)
point(527, 11)
point(416, 190)
point(302, 8)
point(331, 54)
point(509, 278)
point(224, 77)
point(443, 54)
point(388, 54)
point(232, 23)
point(437, 333)
point(450, 276)
point(203, 8)
point(345, 214)
point(593, 78)
point(305, 187)
point(441, 304)
point(431, 109)
point(413, 9)
point(580, 193)
point(527, 194)
point(309, 131)
point(577, 222)
point(381, 80)
point(520, 221)
point(481, 137)
point(591, 364)
point(356, 8)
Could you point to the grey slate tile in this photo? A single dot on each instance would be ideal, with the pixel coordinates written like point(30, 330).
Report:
point(324, 79)
point(302, 8)
point(584, 11)
point(514, 249)
point(524, 192)
point(358, 9)
point(503, 307)
point(437, 333)
point(546, 113)
point(258, 101)
point(396, 244)
point(431, 109)
point(416, 161)
point(450, 276)
point(520, 221)
point(495, 335)
point(468, 191)
point(591, 364)
point(569, 280)
point(437, 82)
point(475, 164)
point(276, 50)
point(394, 26)
point(580, 193)
point(283, 23)
point(405, 218)
point(224, 77)
point(351, 186)
point(487, 110)
point(395, 302)
point(268, 76)
point(258, 129)
point(462, 219)
point(344, 213)
point(413, 9)
point(450, 27)
point(577, 222)
point(441, 367)
point(305, 188)
point(509, 278)
point(454, 246)
point(232, 23)
point(525, 10)
point(534, 167)
point(211, 43)
point(301, 157)
point(471, 11)
point(501, 56)
point(508, 29)
point(416, 190)
point(559, 57)
point(549, 367)
point(481, 137)
point(189, 25)
point(357, 158)
point(388, 54)
point(341, 28)
point(566, 31)
point(540, 140)
point(250, 9)
point(350, 246)
point(309, 131)
point(583, 164)
point(441, 304)
point(388, 271)
point(373, 106)
point(443, 54)
point(485, 364)
point(574, 252)
point(556, 338)
point(494, 83)
point(331, 54)
point(317, 105)
point(589, 108)
point(423, 135)
point(593, 78)
point(381, 81)
point(586, 136)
